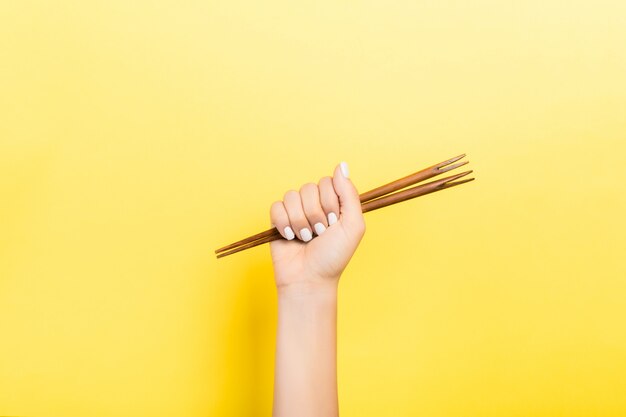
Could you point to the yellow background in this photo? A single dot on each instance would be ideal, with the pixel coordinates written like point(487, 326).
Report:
point(138, 136)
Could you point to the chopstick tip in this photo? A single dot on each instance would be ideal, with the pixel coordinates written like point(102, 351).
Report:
point(457, 176)
point(449, 161)
point(453, 166)
point(455, 183)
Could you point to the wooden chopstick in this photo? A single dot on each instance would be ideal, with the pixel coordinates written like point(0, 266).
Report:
point(396, 185)
point(419, 176)
point(372, 200)
point(398, 197)
point(417, 191)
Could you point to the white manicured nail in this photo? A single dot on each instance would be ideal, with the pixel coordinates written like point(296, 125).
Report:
point(306, 234)
point(289, 234)
point(319, 228)
point(344, 169)
point(332, 218)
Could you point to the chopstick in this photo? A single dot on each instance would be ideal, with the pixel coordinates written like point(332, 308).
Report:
point(419, 176)
point(414, 178)
point(379, 197)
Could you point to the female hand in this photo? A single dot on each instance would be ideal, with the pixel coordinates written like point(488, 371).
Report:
point(322, 225)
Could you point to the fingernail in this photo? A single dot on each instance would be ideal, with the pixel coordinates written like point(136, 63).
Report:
point(332, 218)
point(319, 228)
point(289, 234)
point(344, 169)
point(306, 234)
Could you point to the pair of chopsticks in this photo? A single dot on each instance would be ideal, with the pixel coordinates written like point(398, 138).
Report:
point(380, 197)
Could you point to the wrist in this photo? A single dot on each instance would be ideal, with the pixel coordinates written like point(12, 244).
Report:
point(322, 289)
point(307, 306)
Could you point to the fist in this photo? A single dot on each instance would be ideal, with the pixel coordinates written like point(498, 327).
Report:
point(322, 225)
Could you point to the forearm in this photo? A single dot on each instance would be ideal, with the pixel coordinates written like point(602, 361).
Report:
point(306, 352)
point(307, 272)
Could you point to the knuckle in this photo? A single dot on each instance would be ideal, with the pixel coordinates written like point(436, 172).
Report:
point(275, 209)
point(309, 186)
point(290, 194)
point(325, 180)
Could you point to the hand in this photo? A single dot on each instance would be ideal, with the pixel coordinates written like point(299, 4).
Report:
point(322, 225)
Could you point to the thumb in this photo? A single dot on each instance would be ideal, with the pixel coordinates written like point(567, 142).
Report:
point(351, 215)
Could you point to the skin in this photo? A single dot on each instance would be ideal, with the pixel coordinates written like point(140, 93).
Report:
point(307, 276)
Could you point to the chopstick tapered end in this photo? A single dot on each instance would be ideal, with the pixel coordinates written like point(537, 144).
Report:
point(455, 183)
point(453, 166)
point(440, 165)
point(447, 180)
